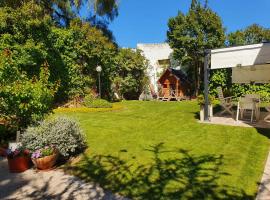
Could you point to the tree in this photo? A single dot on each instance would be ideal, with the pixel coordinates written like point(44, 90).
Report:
point(251, 35)
point(72, 52)
point(63, 11)
point(23, 100)
point(129, 76)
point(191, 34)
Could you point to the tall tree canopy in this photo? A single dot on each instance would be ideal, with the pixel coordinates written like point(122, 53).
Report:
point(251, 35)
point(191, 34)
point(99, 12)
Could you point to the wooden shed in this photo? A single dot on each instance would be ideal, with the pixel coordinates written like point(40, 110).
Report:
point(174, 85)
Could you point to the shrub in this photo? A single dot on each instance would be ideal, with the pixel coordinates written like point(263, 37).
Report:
point(201, 100)
point(99, 103)
point(88, 100)
point(65, 134)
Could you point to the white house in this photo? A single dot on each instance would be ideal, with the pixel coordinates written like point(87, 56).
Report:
point(158, 56)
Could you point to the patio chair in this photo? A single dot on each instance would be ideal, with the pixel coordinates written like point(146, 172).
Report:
point(244, 105)
point(225, 102)
point(256, 99)
point(267, 118)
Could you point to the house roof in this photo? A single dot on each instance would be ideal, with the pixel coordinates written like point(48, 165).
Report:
point(179, 74)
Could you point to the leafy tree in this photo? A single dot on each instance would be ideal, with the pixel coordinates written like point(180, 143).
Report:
point(251, 35)
point(191, 34)
point(129, 76)
point(63, 11)
point(72, 52)
point(23, 100)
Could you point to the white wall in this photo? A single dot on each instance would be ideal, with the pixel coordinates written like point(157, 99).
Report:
point(153, 53)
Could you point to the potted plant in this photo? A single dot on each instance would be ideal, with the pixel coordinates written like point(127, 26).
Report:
point(45, 158)
point(201, 102)
point(18, 159)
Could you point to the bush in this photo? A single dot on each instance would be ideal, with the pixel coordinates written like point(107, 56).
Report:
point(88, 100)
point(65, 134)
point(201, 100)
point(98, 103)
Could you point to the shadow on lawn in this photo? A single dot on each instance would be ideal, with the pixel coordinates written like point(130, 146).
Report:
point(185, 176)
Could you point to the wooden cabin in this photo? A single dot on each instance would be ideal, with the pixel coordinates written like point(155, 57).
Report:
point(174, 85)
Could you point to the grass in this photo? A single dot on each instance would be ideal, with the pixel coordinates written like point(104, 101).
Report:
point(158, 150)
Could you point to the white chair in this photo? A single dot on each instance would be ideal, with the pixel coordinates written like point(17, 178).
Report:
point(256, 99)
point(267, 118)
point(244, 105)
point(225, 102)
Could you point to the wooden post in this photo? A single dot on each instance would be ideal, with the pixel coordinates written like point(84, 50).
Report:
point(206, 84)
point(18, 136)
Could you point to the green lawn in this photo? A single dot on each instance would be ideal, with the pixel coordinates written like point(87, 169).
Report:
point(158, 150)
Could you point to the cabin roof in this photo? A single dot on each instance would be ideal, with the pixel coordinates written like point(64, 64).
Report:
point(178, 74)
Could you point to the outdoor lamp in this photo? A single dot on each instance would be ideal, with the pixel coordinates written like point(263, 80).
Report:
point(99, 69)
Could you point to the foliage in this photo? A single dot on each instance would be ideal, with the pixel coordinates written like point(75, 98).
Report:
point(191, 34)
point(43, 152)
point(115, 107)
point(222, 78)
point(263, 90)
point(124, 154)
point(63, 133)
point(82, 48)
point(98, 103)
point(18, 152)
point(253, 34)
point(23, 100)
point(72, 53)
point(65, 10)
point(201, 100)
point(129, 75)
point(88, 99)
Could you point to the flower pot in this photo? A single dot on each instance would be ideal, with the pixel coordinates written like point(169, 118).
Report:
point(46, 162)
point(19, 164)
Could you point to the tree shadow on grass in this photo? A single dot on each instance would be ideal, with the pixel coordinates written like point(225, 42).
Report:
point(181, 176)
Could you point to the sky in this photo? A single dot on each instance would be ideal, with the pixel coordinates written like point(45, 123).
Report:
point(145, 21)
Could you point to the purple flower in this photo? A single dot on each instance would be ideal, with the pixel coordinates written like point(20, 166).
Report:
point(9, 151)
point(36, 154)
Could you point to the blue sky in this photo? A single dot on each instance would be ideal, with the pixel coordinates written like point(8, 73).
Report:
point(145, 21)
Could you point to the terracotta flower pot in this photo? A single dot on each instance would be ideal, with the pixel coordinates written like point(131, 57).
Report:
point(19, 164)
point(46, 162)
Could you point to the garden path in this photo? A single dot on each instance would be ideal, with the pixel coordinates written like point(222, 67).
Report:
point(264, 187)
point(53, 184)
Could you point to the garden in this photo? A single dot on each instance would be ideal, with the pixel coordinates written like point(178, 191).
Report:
point(69, 101)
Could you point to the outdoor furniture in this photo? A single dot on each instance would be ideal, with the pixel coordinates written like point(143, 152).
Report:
point(244, 105)
point(225, 102)
point(267, 118)
point(256, 99)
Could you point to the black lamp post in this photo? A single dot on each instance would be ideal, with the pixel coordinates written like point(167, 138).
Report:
point(99, 69)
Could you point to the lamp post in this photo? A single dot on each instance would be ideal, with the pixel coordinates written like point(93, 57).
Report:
point(99, 69)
